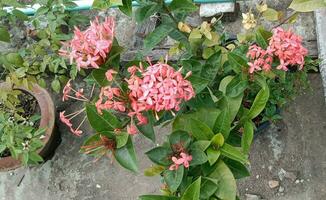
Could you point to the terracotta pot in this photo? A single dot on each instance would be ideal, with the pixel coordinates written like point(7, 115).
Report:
point(47, 121)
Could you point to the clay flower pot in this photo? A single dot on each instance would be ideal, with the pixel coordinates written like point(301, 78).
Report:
point(47, 121)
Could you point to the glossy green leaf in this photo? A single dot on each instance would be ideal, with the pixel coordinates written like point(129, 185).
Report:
point(20, 15)
point(144, 12)
point(148, 129)
point(104, 122)
point(223, 123)
point(238, 169)
point(126, 156)
point(200, 130)
point(262, 37)
point(247, 136)
point(160, 155)
point(55, 85)
point(156, 36)
point(198, 83)
point(173, 178)
point(121, 139)
point(236, 87)
point(259, 103)
point(237, 62)
point(212, 155)
point(180, 137)
point(126, 7)
point(200, 145)
point(208, 187)
point(227, 187)
point(233, 153)
point(193, 191)
point(198, 157)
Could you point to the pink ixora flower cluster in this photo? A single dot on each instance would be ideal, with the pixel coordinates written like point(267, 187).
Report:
point(261, 59)
point(157, 88)
point(184, 160)
point(89, 48)
point(285, 45)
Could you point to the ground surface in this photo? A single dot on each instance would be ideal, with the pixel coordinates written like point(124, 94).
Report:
point(296, 145)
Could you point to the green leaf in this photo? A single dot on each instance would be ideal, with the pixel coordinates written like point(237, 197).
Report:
point(247, 136)
point(193, 191)
point(223, 123)
point(15, 59)
point(224, 83)
point(259, 103)
point(262, 37)
point(144, 12)
point(182, 6)
point(212, 155)
point(156, 36)
point(173, 178)
point(101, 4)
point(271, 15)
point(35, 157)
point(157, 197)
point(160, 155)
point(148, 129)
point(198, 157)
point(153, 171)
point(227, 187)
point(237, 62)
point(307, 5)
point(198, 83)
point(233, 153)
point(200, 130)
point(101, 123)
point(180, 137)
point(126, 156)
point(2, 148)
point(55, 85)
point(208, 187)
point(121, 139)
point(236, 87)
point(200, 145)
point(126, 7)
point(20, 15)
point(217, 140)
point(238, 170)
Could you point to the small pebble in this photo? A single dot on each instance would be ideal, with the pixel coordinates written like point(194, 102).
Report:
point(11, 173)
point(273, 184)
point(257, 177)
point(98, 186)
point(301, 181)
point(297, 181)
point(281, 189)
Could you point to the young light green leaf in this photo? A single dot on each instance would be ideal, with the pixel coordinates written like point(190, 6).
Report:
point(122, 139)
point(307, 5)
point(153, 171)
point(259, 103)
point(212, 155)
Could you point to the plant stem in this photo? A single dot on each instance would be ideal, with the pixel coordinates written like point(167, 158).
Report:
point(286, 19)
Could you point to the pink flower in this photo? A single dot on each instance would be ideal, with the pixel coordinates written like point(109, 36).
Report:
point(65, 120)
point(259, 59)
point(66, 91)
point(183, 160)
point(89, 48)
point(109, 74)
point(287, 46)
point(131, 129)
point(76, 132)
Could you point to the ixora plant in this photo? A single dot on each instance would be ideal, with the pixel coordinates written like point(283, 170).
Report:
point(215, 95)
